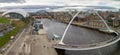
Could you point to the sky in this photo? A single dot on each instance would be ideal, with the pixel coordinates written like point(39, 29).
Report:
point(111, 3)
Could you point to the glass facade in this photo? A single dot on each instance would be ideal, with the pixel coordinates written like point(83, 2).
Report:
point(16, 13)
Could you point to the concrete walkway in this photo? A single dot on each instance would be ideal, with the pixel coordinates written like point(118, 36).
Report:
point(41, 45)
point(15, 47)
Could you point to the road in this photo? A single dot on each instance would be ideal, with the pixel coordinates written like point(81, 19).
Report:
point(15, 47)
point(75, 35)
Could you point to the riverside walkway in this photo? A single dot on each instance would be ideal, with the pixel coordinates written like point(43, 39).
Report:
point(41, 45)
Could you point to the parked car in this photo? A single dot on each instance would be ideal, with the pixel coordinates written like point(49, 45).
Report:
point(37, 25)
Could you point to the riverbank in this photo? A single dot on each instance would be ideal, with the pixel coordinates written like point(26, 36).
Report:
point(85, 26)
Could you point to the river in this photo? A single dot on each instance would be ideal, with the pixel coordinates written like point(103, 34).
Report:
point(79, 36)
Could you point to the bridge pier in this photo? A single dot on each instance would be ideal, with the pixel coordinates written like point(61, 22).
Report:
point(61, 43)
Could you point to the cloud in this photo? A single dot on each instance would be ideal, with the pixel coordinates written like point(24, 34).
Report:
point(12, 1)
point(116, 0)
point(111, 3)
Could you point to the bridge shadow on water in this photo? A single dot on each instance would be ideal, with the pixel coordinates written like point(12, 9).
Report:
point(109, 50)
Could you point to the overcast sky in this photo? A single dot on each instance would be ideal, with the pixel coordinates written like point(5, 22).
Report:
point(10, 1)
point(112, 3)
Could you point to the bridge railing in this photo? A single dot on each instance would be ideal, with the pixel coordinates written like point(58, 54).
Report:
point(88, 45)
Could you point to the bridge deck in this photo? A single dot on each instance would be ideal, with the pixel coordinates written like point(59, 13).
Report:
point(88, 46)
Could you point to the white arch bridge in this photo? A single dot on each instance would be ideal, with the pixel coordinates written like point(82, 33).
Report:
point(62, 45)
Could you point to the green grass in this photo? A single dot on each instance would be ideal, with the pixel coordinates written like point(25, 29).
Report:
point(26, 21)
point(4, 20)
point(4, 39)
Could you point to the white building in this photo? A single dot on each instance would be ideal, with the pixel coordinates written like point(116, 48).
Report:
point(16, 13)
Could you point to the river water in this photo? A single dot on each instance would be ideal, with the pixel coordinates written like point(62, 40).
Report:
point(80, 36)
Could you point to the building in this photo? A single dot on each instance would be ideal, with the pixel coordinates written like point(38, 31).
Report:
point(16, 13)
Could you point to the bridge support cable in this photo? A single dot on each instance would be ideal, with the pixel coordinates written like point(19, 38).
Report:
point(61, 41)
point(103, 20)
point(109, 30)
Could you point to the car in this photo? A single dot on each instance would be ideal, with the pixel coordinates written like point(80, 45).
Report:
point(41, 26)
point(37, 25)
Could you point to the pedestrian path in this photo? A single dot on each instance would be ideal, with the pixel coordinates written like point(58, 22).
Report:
point(41, 45)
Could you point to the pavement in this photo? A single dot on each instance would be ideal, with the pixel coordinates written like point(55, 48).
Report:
point(41, 45)
point(15, 47)
point(28, 44)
